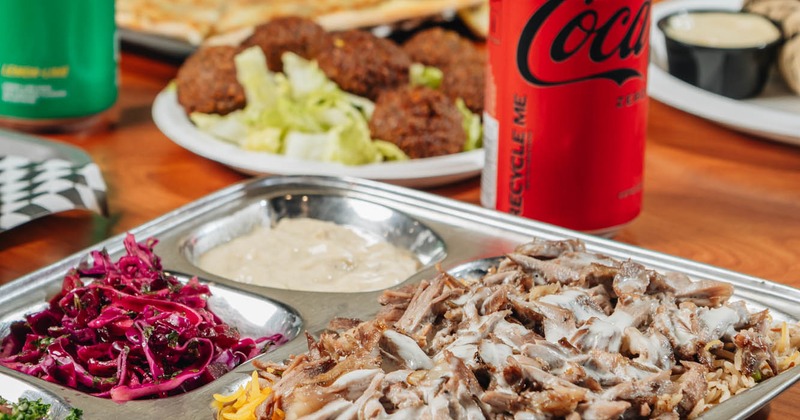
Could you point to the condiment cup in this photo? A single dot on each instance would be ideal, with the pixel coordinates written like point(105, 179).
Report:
point(735, 72)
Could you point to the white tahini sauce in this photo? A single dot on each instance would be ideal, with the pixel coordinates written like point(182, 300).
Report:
point(312, 255)
point(725, 30)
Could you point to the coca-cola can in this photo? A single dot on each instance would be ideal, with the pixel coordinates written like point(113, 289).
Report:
point(566, 111)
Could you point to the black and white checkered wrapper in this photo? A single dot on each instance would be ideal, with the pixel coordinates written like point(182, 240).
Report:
point(31, 189)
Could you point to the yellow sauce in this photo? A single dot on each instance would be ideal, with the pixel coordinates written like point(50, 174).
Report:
point(312, 255)
point(725, 30)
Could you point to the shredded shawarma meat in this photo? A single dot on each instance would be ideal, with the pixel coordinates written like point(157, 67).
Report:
point(554, 331)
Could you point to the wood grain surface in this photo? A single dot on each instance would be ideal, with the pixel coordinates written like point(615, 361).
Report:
point(711, 194)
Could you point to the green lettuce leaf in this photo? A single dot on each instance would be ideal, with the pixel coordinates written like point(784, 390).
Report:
point(264, 140)
point(229, 127)
point(390, 151)
point(422, 75)
point(472, 126)
point(300, 113)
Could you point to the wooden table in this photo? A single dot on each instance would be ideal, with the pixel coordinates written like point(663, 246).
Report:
point(711, 194)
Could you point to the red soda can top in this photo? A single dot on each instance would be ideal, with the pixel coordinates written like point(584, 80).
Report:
point(566, 111)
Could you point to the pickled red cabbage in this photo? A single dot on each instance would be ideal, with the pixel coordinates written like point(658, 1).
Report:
point(127, 330)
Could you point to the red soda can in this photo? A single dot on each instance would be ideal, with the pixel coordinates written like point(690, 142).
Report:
point(566, 111)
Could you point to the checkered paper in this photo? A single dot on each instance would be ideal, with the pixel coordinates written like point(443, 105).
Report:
point(31, 189)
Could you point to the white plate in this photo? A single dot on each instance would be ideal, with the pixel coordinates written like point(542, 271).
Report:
point(173, 122)
point(774, 114)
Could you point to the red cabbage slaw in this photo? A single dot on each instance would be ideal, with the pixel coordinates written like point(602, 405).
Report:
point(132, 332)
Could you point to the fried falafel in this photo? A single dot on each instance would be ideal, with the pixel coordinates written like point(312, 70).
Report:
point(461, 62)
point(206, 82)
point(363, 64)
point(441, 48)
point(468, 83)
point(421, 121)
point(301, 36)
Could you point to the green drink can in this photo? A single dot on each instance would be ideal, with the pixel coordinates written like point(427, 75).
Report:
point(58, 63)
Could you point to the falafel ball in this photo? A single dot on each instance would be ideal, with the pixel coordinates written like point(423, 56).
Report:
point(467, 82)
point(421, 121)
point(206, 82)
point(363, 64)
point(461, 62)
point(299, 35)
point(442, 48)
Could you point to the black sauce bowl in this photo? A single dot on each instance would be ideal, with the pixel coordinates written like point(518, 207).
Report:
point(737, 73)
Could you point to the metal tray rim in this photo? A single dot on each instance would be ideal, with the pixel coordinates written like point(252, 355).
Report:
point(740, 406)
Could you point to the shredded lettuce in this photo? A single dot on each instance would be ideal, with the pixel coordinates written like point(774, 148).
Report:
point(266, 140)
point(299, 113)
point(230, 127)
point(472, 126)
point(390, 150)
point(422, 75)
point(310, 146)
point(262, 88)
point(132, 332)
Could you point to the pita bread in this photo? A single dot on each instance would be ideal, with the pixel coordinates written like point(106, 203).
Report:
point(189, 20)
point(389, 12)
point(239, 14)
point(221, 21)
point(476, 18)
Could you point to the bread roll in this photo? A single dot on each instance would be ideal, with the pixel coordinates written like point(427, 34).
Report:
point(777, 10)
point(791, 25)
point(789, 63)
point(787, 14)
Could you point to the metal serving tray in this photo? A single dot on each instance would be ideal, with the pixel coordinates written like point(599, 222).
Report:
point(439, 230)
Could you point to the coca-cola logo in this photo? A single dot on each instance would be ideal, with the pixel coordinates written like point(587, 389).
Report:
point(605, 40)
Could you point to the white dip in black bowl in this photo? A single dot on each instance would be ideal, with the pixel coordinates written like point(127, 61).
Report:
point(725, 52)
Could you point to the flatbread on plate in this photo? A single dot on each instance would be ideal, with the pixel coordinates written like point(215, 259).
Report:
point(195, 21)
point(189, 20)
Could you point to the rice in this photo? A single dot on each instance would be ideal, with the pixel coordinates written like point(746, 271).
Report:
point(726, 378)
